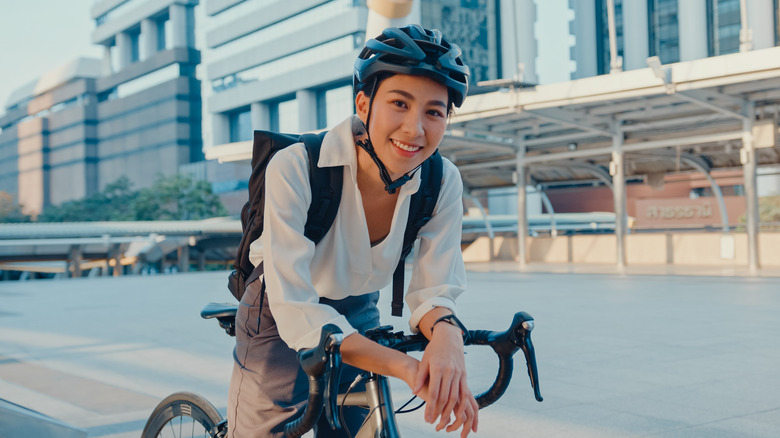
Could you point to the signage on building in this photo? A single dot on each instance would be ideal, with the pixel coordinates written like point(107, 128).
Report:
point(686, 212)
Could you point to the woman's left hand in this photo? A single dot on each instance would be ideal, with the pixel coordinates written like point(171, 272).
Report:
point(442, 374)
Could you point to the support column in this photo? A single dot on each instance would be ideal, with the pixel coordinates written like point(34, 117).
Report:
point(261, 116)
point(749, 164)
point(307, 110)
point(389, 13)
point(636, 47)
point(693, 32)
point(178, 17)
point(184, 258)
point(617, 169)
point(760, 16)
point(116, 256)
point(148, 38)
point(220, 129)
point(522, 209)
point(202, 259)
point(125, 50)
point(74, 261)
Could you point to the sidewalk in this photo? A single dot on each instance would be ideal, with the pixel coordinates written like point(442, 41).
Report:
point(619, 355)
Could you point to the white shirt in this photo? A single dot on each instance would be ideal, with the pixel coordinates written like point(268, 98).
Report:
point(344, 263)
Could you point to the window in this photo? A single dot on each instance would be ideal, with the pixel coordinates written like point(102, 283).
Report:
point(723, 26)
point(603, 57)
point(163, 30)
point(335, 105)
point(288, 116)
point(664, 30)
point(135, 45)
point(240, 125)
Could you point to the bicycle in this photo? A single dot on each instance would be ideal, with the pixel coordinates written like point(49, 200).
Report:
point(322, 365)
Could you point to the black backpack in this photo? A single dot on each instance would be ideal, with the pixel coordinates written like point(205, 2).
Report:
point(326, 185)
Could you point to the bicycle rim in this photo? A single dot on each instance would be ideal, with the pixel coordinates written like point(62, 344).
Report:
point(182, 415)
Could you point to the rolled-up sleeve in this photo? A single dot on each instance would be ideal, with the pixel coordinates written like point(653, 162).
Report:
point(287, 253)
point(438, 273)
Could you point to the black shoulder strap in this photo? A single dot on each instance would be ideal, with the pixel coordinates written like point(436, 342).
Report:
point(420, 211)
point(326, 186)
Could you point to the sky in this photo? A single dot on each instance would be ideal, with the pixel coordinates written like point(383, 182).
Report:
point(37, 36)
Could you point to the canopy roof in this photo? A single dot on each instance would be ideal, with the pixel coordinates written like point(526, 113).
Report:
point(681, 117)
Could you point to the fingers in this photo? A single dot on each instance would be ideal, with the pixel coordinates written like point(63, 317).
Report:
point(449, 405)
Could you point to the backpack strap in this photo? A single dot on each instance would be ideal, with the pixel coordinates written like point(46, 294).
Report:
point(420, 211)
point(326, 184)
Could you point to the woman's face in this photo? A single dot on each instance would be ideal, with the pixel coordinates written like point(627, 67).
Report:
point(407, 122)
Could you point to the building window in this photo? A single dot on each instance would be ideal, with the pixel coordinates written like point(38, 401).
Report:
point(135, 45)
point(284, 116)
point(723, 26)
point(334, 105)
point(163, 30)
point(777, 22)
point(664, 30)
point(472, 25)
point(240, 125)
point(603, 57)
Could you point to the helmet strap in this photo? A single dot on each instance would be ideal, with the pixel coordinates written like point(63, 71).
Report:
point(390, 185)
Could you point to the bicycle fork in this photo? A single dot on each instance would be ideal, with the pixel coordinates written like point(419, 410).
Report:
point(380, 422)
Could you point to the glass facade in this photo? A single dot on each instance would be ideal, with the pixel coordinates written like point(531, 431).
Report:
point(602, 34)
point(723, 25)
point(664, 30)
point(472, 25)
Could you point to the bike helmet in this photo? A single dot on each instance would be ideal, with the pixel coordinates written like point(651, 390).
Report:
point(413, 50)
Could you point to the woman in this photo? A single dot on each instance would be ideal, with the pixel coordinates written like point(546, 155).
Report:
point(406, 82)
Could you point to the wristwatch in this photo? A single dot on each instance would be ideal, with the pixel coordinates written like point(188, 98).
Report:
point(452, 319)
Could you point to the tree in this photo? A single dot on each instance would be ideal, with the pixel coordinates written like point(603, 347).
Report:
point(176, 197)
point(10, 211)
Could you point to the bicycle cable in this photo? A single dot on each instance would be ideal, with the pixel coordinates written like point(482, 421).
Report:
point(341, 407)
point(401, 411)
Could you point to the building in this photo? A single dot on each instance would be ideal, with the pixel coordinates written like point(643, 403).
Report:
point(48, 143)
point(287, 66)
point(672, 30)
point(135, 113)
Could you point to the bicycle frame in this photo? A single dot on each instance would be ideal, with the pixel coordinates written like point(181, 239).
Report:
point(381, 415)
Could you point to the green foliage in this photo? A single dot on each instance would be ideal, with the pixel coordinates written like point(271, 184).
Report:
point(10, 211)
point(769, 210)
point(176, 197)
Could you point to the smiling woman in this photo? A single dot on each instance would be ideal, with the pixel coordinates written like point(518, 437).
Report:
point(405, 83)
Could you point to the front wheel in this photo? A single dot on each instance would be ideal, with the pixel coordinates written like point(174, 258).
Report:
point(183, 414)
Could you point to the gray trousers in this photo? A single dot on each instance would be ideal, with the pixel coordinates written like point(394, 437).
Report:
point(268, 387)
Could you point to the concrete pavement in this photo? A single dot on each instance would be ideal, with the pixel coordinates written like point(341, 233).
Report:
point(619, 355)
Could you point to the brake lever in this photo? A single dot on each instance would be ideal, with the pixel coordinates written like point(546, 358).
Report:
point(332, 387)
point(524, 324)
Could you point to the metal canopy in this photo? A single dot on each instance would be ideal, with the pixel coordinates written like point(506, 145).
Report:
point(695, 116)
point(694, 109)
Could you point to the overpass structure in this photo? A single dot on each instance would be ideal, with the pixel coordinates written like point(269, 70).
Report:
point(695, 116)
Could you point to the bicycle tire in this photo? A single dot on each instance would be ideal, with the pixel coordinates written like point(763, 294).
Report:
point(185, 411)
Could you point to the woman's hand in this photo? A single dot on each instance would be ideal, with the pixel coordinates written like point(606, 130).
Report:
point(441, 379)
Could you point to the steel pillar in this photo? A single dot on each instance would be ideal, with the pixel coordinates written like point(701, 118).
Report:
point(749, 165)
point(618, 172)
point(522, 210)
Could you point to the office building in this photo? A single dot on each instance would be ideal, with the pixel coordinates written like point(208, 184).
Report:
point(287, 66)
point(672, 30)
point(135, 113)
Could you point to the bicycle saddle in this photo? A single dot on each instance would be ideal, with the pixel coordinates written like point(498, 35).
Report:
point(219, 310)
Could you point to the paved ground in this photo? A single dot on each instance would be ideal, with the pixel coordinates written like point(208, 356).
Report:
point(619, 356)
